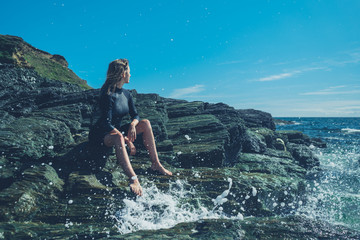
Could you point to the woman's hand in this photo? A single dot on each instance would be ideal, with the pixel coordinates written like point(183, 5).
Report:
point(115, 132)
point(132, 133)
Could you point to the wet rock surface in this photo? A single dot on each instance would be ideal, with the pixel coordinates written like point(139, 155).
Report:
point(250, 228)
point(54, 185)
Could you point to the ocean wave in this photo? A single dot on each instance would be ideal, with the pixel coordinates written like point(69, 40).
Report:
point(280, 122)
point(350, 130)
point(334, 138)
point(157, 209)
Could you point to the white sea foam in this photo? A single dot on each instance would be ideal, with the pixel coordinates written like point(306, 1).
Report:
point(157, 209)
point(222, 197)
point(287, 123)
point(254, 191)
point(333, 138)
point(350, 130)
point(334, 197)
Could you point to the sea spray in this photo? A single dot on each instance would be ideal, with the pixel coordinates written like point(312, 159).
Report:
point(333, 194)
point(157, 209)
point(219, 200)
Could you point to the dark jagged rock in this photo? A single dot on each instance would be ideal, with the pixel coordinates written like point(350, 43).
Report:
point(253, 143)
point(23, 90)
point(295, 137)
point(256, 118)
point(51, 179)
point(14, 50)
point(60, 59)
point(303, 155)
point(282, 122)
point(250, 228)
point(317, 142)
point(298, 137)
point(34, 192)
point(31, 138)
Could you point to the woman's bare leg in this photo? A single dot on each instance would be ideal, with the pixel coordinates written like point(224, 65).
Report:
point(118, 141)
point(131, 146)
point(145, 128)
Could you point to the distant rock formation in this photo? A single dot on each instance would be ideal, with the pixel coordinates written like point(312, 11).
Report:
point(60, 59)
point(278, 121)
point(14, 50)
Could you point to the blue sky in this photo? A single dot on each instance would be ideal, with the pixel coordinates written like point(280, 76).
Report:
point(288, 58)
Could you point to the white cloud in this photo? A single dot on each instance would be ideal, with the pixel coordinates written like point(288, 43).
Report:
point(342, 108)
point(331, 93)
point(334, 91)
point(330, 108)
point(278, 76)
point(306, 107)
point(290, 62)
point(182, 92)
point(348, 57)
point(288, 74)
point(335, 87)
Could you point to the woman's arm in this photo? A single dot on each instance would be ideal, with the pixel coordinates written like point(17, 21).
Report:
point(135, 119)
point(106, 106)
point(132, 109)
point(132, 130)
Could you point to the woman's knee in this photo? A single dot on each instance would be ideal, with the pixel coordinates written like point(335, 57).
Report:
point(146, 122)
point(119, 139)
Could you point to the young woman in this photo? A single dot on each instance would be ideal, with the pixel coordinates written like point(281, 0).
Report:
point(115, 103)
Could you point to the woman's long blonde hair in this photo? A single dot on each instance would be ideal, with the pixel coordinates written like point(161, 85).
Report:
point(114, 74)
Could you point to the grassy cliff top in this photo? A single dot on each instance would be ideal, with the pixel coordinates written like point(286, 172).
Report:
point(15, 50)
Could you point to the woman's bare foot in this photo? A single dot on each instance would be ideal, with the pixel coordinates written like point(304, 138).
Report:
point(159, 168)
point(135, 187)
point(131, 146)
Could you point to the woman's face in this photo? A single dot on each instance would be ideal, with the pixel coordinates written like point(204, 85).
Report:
point(127, 75)
point(125, 78)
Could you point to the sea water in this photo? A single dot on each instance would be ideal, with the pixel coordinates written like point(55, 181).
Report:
point(333, 194)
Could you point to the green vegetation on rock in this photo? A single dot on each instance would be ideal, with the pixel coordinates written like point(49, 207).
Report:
point(14, 50)
point(53, 70)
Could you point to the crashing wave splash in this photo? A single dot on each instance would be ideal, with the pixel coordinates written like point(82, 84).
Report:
point(157, 209)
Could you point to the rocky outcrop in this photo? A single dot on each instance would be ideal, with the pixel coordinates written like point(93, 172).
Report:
point(60, 59)
point(255, 118)
point(14, 50)
point(51, 179)
point(251, 228)
point(278, 121)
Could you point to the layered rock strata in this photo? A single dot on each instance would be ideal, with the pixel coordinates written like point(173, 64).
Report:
point(51, 180)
